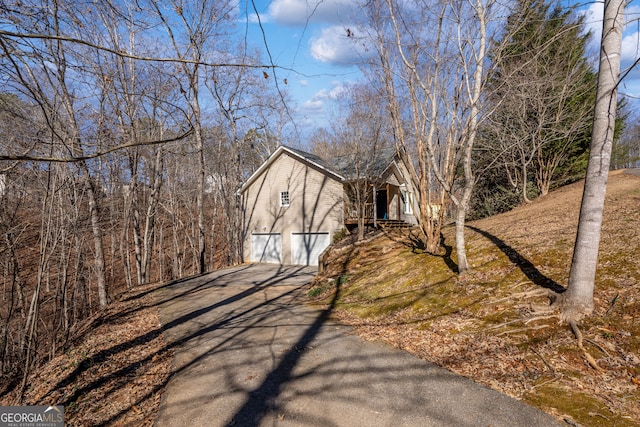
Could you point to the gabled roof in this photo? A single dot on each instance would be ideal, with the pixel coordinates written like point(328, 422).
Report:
point(300, 155)
point(371, 164)
point(342, 168)
point(318, 161)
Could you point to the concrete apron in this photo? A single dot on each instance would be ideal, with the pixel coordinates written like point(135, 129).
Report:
point(249, 352)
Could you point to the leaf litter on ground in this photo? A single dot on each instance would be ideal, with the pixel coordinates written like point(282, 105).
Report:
point(495, 324)
point(492, 325)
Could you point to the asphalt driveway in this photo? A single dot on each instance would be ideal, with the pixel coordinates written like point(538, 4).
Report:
point(249, 352)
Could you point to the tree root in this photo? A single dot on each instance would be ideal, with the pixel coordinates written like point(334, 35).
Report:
point(550, 315)
point(595, 344)
point(525, 322)
point(551, 368)
point(613, 302)
point(537, 308)
point(589, 357)
point(501, 325)
point(520, 295)
point(515, 331)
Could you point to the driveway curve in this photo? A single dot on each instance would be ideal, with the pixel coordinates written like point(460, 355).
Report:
point(249, 352)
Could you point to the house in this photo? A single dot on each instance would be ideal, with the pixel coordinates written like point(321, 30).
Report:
point(295, 202)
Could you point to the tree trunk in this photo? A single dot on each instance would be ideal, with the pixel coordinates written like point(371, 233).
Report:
point(525, 190)
point(461, 253)
point(578, 299)
point(202, 246)
point(199, 140)
point(150, 220)
point(361, 209)
point(137, 240)
point(474, 102)
point(98, 246)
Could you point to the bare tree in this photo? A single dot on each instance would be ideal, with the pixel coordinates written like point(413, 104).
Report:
point(200, 25)
point(41, 70)
point(577, 301)
point(399, 75)
point(239, 95)
point(542, 86)
point(439, 52)
point(358, 142)
point(625, 152)
point(99, 139)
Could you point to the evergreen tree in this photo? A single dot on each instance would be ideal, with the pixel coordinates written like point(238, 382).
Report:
point(542, 90)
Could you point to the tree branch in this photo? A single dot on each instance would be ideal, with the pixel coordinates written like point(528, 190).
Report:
point(27, 157)
point(135, 57)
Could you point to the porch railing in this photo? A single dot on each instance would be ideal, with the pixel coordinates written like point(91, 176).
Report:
point(351, 213)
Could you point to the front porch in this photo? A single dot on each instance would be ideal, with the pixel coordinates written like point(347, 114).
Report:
point(386, 206)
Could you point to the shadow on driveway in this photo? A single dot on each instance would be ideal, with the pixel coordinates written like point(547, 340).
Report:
point(249, 352)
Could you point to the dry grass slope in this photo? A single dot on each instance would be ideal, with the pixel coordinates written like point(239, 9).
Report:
point(114, 371)
point(495, 324)
point(492, 325)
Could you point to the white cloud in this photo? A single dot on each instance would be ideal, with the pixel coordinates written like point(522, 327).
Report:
point(593, 23)
point(336, 91)
point(631, 40)
point(253, 18)
point(630, 86)
point(340, 45)
point(304, 82)
point(316, 105)
point(301, 12)
point(313, 106)
point(630, 47)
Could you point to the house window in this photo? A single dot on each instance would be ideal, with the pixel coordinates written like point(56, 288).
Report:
point(407, 201)
point(284, 198)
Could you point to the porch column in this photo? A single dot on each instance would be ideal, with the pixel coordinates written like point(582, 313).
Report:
point(375, 207)
point(388, 201)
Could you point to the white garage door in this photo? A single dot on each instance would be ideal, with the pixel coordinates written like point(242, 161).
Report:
point(266, 247)
point(307, 247)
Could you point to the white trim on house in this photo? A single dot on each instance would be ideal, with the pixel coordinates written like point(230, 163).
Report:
point(407, 200)
point(292, 153)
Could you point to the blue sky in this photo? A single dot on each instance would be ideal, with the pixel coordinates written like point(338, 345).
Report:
point(630, 86)
point(308, 39)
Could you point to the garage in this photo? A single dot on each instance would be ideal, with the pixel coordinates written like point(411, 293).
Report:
point(307, 247)
point(266, 247)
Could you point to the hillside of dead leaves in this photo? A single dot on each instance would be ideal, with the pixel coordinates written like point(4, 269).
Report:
point(495, 324)
point(114, 370)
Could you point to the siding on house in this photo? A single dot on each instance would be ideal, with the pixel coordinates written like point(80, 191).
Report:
point(392, 181)
point(397, 176)
point(409, 218)
point(315, 201)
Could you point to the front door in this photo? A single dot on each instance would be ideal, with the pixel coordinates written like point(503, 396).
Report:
point(381, 205)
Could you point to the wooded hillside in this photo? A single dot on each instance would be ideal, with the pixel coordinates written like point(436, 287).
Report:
point(494, 324)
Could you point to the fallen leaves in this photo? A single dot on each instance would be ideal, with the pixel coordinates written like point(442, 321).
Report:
point(495, 325)
point(114, 371)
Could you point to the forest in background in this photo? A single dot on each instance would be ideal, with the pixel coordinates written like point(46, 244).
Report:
point(128, 127)
point(126, 131)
